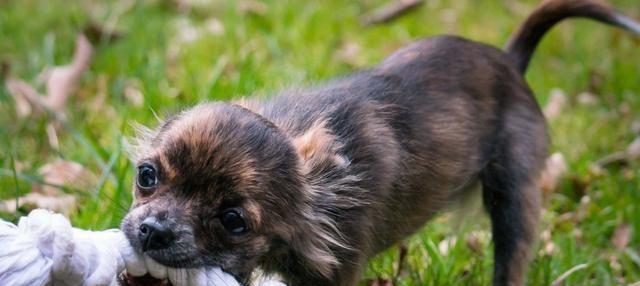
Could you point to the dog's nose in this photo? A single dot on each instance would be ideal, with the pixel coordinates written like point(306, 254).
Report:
point(154, 235)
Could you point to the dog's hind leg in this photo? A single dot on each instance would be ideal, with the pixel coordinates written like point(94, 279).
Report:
point(510, 193)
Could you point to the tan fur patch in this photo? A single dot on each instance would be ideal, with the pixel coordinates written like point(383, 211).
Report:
point(318, 144)
point(169, 172)
point(255, 212)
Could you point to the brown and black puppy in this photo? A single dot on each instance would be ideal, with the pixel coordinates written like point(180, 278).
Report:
point(313, 182)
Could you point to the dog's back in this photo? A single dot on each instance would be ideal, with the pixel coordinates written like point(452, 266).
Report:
point(433, 120)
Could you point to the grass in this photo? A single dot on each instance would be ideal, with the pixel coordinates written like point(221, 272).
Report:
point(264, 48)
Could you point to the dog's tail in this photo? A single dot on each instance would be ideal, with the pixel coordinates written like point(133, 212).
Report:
point(523, 42)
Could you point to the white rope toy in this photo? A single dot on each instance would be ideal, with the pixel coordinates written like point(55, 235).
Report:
point(44, 249)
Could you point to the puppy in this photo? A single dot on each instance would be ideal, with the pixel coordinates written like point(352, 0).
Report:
point(311, 183)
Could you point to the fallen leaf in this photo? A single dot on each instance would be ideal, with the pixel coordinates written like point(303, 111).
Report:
point(390, 12)
point(614, 263)
point(21, 92)
point(587, 98)
point(52, 135)
point(596, 80)
point(632, 152)
point(133, 94)
point(348, 53)
point(253, 7)
point(548, 247)
point(557, 101)
point(214, 26)
point(97, 33)
point(625, 109)
point(63, 173)
point(568, 273)
point(635, 126)
point(48, 195)
point(445, 245)
point(621, 236)
point(63, 203)
point(62, 80)
point(379, 282)
point(449, 17)
point(555, 168)
point(477, 240)
point(186, 32)
point(583, 209)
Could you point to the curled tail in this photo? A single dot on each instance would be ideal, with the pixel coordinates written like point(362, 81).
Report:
point(523, 42)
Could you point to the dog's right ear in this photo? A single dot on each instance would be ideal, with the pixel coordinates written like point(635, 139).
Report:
point(140, 145)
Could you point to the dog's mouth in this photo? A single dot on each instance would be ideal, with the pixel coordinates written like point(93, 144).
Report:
point(126, 279)
point(149, 272)
point(172, 259)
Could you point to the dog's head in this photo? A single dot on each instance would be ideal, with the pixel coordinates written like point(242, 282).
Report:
point(220, 185)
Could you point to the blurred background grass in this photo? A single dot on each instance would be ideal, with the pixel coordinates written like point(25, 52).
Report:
point(171, 56)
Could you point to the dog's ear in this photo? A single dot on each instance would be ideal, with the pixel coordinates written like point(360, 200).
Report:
point(140, 144)
point(318, 147)
point(317, 236)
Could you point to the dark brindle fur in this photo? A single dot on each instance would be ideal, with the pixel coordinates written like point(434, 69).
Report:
point(329, 176)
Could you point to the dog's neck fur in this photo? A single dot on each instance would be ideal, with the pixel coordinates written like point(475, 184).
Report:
point(332, 187)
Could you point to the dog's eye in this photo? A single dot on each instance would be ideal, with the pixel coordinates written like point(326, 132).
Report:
point(147, 176)
point(233, 222)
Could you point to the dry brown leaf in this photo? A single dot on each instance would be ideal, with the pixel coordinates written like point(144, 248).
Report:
point(60, 83)
point(96, 32)
point(21, 93)
point(348, 53)
point(446, 244)
point(557, 101)
point(390, 12)
point(62, 80)
point(632, 152)
point(133, 94)
point(214, 26)
point(621, 236)
point(253, 7)
point(49, 196)
point(587, 98)
point(63, 173)
point(63, 203)
point(379, 282)
point(52, 135)
point(635, 126)
point(555, 168)
point(568, 273)
point(449, 17)
point(548, 247)
point(635, 284)
point(186, 32)
point(583, 209)
point(476, 241)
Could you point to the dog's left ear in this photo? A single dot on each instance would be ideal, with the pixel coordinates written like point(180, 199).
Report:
point(317, 148)
point(317, 235)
